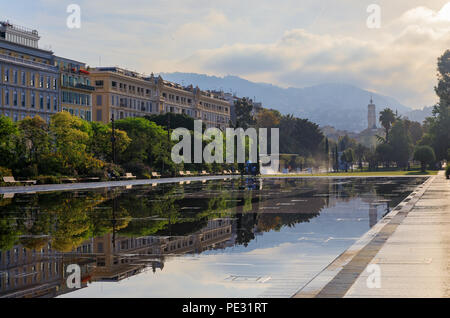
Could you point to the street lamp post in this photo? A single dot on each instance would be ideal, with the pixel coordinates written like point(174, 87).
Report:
point(113, 140)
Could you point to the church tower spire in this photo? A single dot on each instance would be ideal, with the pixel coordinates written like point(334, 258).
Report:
point(371, 115)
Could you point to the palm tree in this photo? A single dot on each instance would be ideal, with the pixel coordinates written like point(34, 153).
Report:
point(387, 118)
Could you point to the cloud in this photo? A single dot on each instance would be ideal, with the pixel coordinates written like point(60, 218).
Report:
point(400, 60)
point(286, 44)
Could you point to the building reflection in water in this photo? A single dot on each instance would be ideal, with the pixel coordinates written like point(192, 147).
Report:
point(193, 218)
point(31, 273)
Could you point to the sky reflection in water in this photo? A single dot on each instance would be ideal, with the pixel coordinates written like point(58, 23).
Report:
point(231, 238)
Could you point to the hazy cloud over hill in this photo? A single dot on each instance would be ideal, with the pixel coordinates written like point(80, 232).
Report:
point(340, 105)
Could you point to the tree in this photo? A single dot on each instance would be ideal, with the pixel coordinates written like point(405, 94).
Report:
point(336, 158)
point(70, 138)
point(346, 142)
point(35, 139)
point(384, 153)
point(415, 130)
point(8, 137)
point(100, 144)
point(327, 154)
point(438, 126)
point(149, 147)
point(387, 118)
point(300, 136)
point(348, 156)
point(424, 154)
point(401, 144)
point(360, 151)
point(268, 118)
point(244, 116)
point(372, 159)
point(176, 120)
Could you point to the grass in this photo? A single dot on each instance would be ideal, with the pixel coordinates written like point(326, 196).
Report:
point(359, 174)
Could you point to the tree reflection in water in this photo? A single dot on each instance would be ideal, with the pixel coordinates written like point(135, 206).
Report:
point(116, 233)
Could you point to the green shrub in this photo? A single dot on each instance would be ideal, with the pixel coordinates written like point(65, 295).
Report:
point(5, 172)
point(137, 168)
point(48, 180)
point(447, 171)
point(113, 170)
point(424, 154)
point(28, 172)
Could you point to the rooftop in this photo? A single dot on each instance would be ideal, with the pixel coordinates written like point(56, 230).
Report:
point(22, 29)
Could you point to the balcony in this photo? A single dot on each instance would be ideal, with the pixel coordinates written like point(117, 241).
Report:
point(25, 62)
point(79, 86)
point(85, 87)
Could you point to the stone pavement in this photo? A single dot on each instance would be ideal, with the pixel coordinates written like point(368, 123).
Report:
point(410, 248)
point(106, 184)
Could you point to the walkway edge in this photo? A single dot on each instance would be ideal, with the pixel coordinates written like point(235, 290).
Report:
point(106, 184)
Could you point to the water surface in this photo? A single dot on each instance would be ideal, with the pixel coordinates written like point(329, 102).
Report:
point(226, 238)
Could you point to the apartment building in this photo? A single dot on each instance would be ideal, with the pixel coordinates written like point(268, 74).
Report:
point(28, 78)
point(211, 108)
point(120, 257)
point(123, 93)
point(76, 89)
point(129, 94)
point(215, 110)
point(40, 272)
point(36, 82)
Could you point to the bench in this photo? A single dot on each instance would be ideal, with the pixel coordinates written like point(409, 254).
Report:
point(11, 179)
point(204, 173)
point(89, 179)
point(69, 180)
point(188, 173)
point(128, 175)
point(156, 175)
point(181, 173)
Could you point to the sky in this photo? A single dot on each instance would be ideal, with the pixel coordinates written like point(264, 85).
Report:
point(285, 42)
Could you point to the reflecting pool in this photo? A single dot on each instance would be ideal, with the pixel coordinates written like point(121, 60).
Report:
point(219, 238)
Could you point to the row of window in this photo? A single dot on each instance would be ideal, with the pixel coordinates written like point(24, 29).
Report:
point(178, 99)
point(178, 110)
point(24, 57)
point(127, 88)
point(16, 116)
point(29, 275)
point(13, 97)
point(76, 98)
point(139, 105)
point(215, 118)
point(184, 100)
point(119, 114)
point(74, 80)
point(214, 107)
point(20, 78)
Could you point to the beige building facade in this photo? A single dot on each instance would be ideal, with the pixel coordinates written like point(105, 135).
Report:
point(129, 94)
point(121, 93)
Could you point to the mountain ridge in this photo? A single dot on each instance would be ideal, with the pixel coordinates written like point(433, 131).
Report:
point(341, 105)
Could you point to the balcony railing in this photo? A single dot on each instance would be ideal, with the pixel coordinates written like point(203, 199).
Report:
point(79, 86)
point(28, 62)
point(86, 87)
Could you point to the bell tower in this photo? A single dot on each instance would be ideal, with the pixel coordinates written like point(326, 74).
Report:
point(371, 115)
